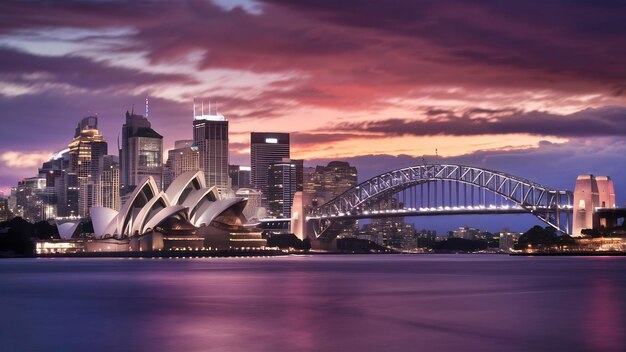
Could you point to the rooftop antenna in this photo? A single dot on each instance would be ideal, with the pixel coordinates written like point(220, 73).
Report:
point(216, 113)
point(209, 106)
point(194, 107)
point(146, 106)
point(202, 107)
point(132, 110)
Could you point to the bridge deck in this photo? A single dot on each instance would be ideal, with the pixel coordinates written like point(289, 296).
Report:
point(439, 212)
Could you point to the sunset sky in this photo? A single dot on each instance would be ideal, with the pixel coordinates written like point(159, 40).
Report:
point(533, 88)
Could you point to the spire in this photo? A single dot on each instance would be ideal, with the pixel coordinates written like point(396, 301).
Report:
point(146, 106)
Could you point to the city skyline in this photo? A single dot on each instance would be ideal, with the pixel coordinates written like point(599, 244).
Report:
point(512, 87)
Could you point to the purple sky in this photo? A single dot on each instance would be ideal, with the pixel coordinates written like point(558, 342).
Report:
point(533, 88)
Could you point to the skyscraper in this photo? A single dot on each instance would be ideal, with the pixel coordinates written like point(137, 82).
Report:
point(281, 187)
point(266, 148)
point(210, 136)
point(84, 153)
point(108, 183)
point(239, 176)
point(184, 157)
point(141, 154)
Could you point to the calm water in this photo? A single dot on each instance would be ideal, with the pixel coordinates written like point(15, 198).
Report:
point(314, 303)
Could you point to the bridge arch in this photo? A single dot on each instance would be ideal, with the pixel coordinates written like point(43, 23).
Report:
point(545, 203)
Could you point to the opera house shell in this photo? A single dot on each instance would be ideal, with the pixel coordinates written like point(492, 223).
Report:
point(187, 207)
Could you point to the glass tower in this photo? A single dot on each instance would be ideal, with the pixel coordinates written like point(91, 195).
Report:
point(210, 136)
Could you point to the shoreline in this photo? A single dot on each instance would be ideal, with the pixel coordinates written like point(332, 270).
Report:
point(168, 254)
point(570, 254)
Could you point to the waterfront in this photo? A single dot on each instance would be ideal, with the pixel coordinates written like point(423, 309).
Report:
point(314, 303)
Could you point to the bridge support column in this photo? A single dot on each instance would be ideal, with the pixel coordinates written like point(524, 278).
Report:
point(298, 215)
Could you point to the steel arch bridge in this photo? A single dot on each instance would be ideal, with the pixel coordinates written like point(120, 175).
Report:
point(442, 189)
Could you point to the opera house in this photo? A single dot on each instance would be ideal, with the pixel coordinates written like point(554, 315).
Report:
point(188, 215)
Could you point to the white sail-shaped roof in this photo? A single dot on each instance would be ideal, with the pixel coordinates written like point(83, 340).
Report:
point(148, 189)
point(145, 213)
point(104, 221)
point(146, 207)
point(184, 181)
point(197, 198)
point(67, 229)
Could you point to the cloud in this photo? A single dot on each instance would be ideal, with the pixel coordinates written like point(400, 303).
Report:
point(607, 121)
point(79, 72)
point(23, 160)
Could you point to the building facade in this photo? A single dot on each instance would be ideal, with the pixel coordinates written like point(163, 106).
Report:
point(210, 136)
point(327, 182)
point(266, 148)
point(281, 187)
point(591, 192)
point(5, 213)
point(184, 157)
point(108, 183)
point(141, 155)
point(85, 151)
point(239, 176)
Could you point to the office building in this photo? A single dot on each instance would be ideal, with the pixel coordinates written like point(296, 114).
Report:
point(210, 136)
point(281, 187)
point(507, 241)
point(29, 199)
point(84, 152)
point(184, 157)
point(266, 148)
point(108, 183)
point(239, 176)
point(141, 155)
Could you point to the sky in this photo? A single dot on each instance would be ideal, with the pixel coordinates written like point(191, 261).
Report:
point(536, 89)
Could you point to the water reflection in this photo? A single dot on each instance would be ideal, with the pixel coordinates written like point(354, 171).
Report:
point(329, 303)
point(604, 325)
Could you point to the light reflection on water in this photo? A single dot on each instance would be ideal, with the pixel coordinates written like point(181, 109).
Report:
point(314, 303)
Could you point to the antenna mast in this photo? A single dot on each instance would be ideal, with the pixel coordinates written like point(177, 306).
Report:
point(146, 106)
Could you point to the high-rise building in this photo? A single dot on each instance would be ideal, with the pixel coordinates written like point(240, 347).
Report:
point(141, 154)
point(327, 182)
point(210, 136)
point(299, 163)
point(29, 200)
point(281, 187)
point(184, 157)
point(239, 176)
point(84, 152)
point(108, 183)
point(266, 148)
point(5, 213)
